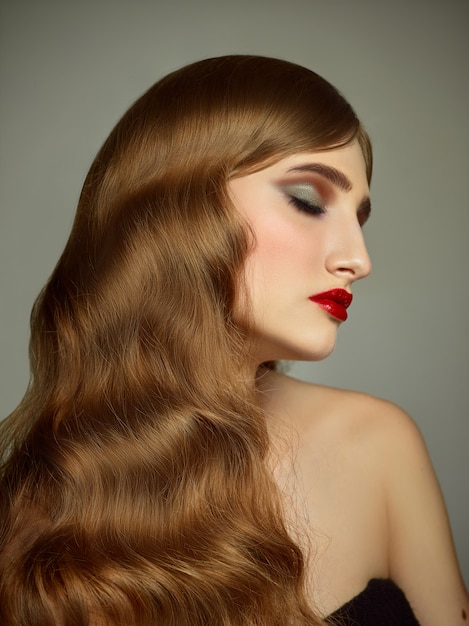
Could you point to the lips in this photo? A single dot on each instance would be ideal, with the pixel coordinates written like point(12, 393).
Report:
point(334, 301)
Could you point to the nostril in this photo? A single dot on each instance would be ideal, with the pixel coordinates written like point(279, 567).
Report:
point(346, 270)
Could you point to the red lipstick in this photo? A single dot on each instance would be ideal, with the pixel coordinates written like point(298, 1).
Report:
point(334, 301)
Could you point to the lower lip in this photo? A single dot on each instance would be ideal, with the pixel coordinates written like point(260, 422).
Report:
point(333, 308)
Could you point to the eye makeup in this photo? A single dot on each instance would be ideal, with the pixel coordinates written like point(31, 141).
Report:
point(364, 211)
point(305, 197)
point(313, 198)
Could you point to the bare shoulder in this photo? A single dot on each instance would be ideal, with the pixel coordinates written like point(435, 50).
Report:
point(376, 440)
point(351, 416)
point(382, 456)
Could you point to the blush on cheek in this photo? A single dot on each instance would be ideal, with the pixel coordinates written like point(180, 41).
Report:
point(275, 241)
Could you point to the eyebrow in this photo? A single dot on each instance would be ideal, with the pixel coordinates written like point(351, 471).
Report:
point(336, 177)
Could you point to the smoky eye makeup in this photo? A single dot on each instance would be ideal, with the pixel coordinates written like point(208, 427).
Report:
point(304, 197)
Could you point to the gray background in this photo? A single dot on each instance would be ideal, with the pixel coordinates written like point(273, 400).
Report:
point(69, 70)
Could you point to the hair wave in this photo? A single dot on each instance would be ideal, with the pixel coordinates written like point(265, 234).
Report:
point(134, 485)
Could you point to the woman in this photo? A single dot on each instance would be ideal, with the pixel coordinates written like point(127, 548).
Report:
point(159, 470)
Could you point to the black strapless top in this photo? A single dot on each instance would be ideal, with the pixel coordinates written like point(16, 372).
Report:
point(382, 603)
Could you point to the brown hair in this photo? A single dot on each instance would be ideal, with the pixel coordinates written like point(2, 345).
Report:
point(134, 486)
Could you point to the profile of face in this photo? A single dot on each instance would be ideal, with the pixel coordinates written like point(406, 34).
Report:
point(306, 214)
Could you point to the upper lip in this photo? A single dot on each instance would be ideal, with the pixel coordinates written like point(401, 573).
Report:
point(340, 296)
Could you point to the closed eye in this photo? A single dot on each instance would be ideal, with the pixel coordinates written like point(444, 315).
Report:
point(304, 197)
point(306, 207)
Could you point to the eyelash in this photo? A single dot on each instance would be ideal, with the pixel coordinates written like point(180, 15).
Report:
point(315, 209)
point(306, 207)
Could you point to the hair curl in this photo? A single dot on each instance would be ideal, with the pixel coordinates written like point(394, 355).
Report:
point(134, 486)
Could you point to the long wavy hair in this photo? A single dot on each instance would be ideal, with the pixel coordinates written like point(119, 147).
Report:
point(134, 483)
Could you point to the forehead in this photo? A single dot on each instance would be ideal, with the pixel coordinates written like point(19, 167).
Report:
point(346, 163)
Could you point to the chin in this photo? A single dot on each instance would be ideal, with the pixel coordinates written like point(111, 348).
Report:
point(312, 355)
point(315, 350)
point(316, 347)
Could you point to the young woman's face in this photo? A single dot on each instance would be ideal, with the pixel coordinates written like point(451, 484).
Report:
point(306, 213)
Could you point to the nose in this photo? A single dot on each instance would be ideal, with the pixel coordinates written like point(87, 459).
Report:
point(348, 258)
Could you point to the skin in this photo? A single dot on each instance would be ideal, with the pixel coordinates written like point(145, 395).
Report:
point(360, 492)
point(299, 252)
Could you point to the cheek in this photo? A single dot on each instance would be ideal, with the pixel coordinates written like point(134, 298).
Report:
point(276, 244)
point(267, 264)
point(286, 256)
